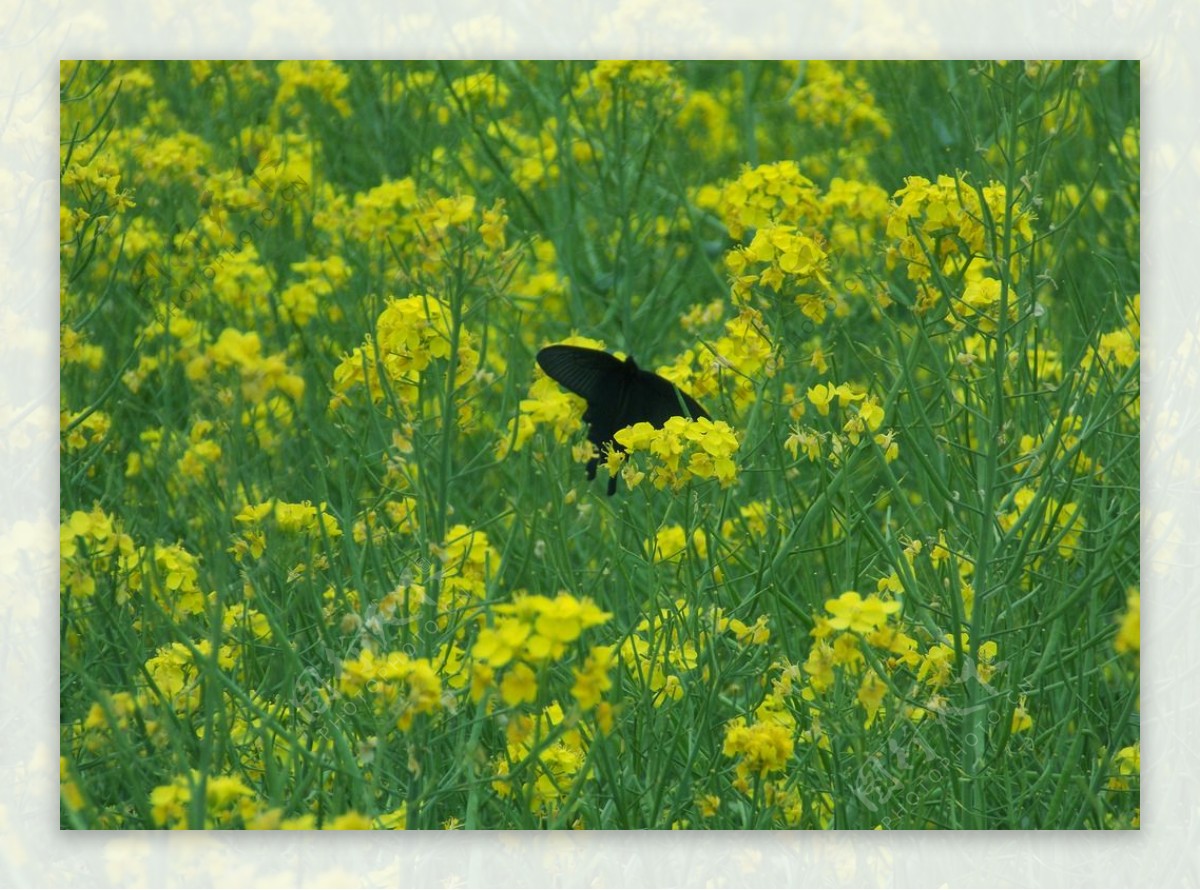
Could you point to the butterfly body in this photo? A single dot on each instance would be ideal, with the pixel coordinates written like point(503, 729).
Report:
point(618, 394)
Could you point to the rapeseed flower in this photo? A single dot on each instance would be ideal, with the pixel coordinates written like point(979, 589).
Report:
point(851, 612)
point(395, 685)
point(761, 748)
point(1129, 630)
point(683, 450)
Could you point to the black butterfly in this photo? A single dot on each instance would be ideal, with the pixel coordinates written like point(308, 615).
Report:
point(618, 393)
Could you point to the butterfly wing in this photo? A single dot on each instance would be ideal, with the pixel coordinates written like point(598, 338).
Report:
point(601, 379)
point(655, 399)
point(589, 373)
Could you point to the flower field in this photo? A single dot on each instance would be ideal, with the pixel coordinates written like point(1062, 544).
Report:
point(329, 554)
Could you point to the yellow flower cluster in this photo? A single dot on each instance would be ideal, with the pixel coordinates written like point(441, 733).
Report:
point(858, 212)
point(535, 629)
point(396, 685)
point(681, 451)
point(1120, 349)
point(735, 363)
point(769, 194)
point(1128, 762)
point(411, 334)
point(671, 543)
point(381, 210)
point(831, 97)
point(417, 238)
point(302, 300)
point(593, 680)
point(790, 256)
point(545, 758)
point(481, 92)
point(260, 375)
point(532, 633)
point(762, 747)
point(84, 429)
point(937, 667)
point(170, 575)
point(74, 349)
point(176, 674)
point(1129, 629)
point(854, 621)
point(800, 237)
point(642, 84)
point(92, 544)
point(173, 677)
point(202, 451)
point(946, 225)
point(303, 518)
point(979, 306)
point(866, 621)
point(1063, 521)
point(469, 564)
point(851, 612)
point(230, 803)
point(865, 417)
point(227, 802)
point(326, 79)
point(99, 179)
point(112, 715)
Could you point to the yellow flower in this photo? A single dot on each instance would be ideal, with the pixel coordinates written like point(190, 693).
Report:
point(593, 681)
point(985, 656)
point(851, 612)
point(763, 747)
point(807, 441)
point(871, 693)
point(1129, 632)
point(483, 677)
point(349, 821)
point(937, 666)
point(396, 820)
point(519, 685)
point(1128, 761)
point(564, 618)
point(756, 634)
point(669, 544)
point(1021, 721)
point(326, 79)
point(819, 666)
point(169, 804)
point(821, 396)
point(395, 685)
point(846, 652)
point(293, 518)
point(708, 445)
point(498, 645)
point(72, 797)
point(410, 335)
